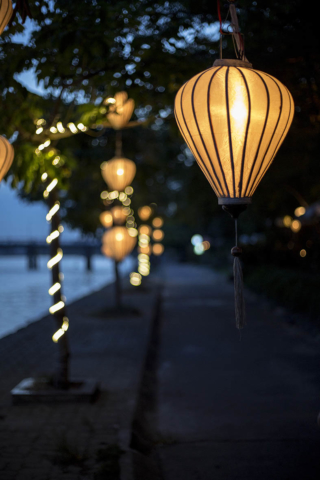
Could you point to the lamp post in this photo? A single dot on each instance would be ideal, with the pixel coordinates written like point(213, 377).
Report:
point(234, 120)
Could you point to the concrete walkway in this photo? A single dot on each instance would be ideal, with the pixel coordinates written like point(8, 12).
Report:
point(192, 400)
point(76, 441)
point(231, 409)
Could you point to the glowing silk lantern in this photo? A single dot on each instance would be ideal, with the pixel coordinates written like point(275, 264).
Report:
point(144, 213)
point(6, 156)
point(118, 173)
point(158, 235)
point(234, 119)
point(157, 249)
point(106, 251)
point(106, 219)
point(120, 111)
point(6, 12)
point(119, 215)
point(118, 242)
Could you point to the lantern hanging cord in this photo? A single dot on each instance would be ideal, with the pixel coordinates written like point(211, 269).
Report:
point(238, 282)
point(237, 37)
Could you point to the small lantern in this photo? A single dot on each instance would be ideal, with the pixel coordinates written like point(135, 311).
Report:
point(118, 173)
point(106, 219)
point(144, 213)
point(6, 156)
point(119, 215)
point(234, 120)
point(145, 230)
point(121, 111)
point(118, 242)
point(6, 12)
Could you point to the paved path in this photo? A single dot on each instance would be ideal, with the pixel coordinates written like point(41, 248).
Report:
point(231, 409)
point(75, 441)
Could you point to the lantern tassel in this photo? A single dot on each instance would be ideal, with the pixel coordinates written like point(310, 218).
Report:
point(240, 310)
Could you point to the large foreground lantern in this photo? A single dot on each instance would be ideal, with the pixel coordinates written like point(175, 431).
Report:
point(6, 156)
point(234, 120)
point(119, 243)
point(118, 173)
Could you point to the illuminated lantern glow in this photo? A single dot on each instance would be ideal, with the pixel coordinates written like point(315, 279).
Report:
point(120, 112)
point(157, 222)
point(234, 120)
point(144, 213)
point(6, 156)
point(146, 250)
point(6, 12)
point(106, 219)
point(157, 249)
point(119, 215)
point(158, 235)
point(118, 242)
point(145, 230)
point(118, 173)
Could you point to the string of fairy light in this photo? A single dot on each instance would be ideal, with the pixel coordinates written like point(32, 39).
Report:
point(54, 234)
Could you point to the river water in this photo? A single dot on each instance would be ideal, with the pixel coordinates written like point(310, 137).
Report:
point(24, 294)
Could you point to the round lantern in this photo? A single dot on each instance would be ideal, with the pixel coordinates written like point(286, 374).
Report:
point(118, 173)
point(119, 215)
point(118, 242)
point(121, 111)
point(6, 12)
point(106, 219)
point(6, 156)
point(234, 119)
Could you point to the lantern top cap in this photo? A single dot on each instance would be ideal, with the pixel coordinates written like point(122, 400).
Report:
point(230, 62)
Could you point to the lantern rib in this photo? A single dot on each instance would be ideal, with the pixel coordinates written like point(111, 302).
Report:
point(212, 132)
point(247, 131)
point(197, 124)
point(262, 135)
point(283, 134)
point(258, 177)
point(187, 142)
point(200, 160)
point(229, 133)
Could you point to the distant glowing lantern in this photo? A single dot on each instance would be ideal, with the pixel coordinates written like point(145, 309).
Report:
point(145, 249)
point(158, 235)
point(6, 12)
point(145, 230)
point(157, 249)
point(157, 222)
point(106, 219)
point(144, 213)
point(120, 111)
point(118, 242)
point(6, 156)
point(118, 173)
point(119, 215)
point(234, 120)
